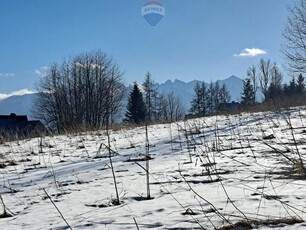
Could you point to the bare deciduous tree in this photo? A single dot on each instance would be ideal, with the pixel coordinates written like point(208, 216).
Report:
point(175, 109)
point(294, 34)
point(252, 74)
point(276, 77)
point(150, 93)
point(83, 92)
point(264, 76)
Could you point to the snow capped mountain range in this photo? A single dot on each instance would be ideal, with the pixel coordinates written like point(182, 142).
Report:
point(22, 103)
point(185, 90)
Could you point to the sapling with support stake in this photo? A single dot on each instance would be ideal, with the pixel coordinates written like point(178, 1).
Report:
point(187, 141)
point(117, 200)
point(57, 209)
point(147, 161)
point(6, 213)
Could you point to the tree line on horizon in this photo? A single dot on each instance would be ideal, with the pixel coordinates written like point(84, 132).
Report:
point(148, 105)
point(86, 91)
point(268, 79)
point(209, 99)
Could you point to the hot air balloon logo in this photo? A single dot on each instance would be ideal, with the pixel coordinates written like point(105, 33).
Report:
point(153, 12)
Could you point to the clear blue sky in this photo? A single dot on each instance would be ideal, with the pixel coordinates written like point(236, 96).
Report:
point(196, 39)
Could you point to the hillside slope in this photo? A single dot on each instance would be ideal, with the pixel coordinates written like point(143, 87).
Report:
point(204, 173)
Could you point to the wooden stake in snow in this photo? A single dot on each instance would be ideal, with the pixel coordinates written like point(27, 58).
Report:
point(5, 213)
point(117, 201)
point(147, 161)
point(57, 209)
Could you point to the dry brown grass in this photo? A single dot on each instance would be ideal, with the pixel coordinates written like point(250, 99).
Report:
point(250, 224)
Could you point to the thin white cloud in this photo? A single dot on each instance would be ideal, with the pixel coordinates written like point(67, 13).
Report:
point(92, 65)
point(41, 71)
point(16, 93)
point(7, 74)
point(78, 64)
point(38, 72)
point(251, 52)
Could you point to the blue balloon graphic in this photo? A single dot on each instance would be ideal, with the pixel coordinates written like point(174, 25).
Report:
point(153, 12)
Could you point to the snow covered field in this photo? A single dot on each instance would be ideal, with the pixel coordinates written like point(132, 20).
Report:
point(244, 170)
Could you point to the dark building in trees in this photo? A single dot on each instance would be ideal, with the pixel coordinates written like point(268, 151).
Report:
point(207, 100)
point(230, 107)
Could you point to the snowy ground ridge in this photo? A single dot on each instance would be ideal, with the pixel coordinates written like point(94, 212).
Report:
point(221, 172)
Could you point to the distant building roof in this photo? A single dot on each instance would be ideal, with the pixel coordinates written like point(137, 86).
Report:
point(229, 106)
point(13, 117)
point(17, 126)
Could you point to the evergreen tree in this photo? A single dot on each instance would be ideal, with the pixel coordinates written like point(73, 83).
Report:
point(207, 100)
point(224, 94)
point(286, 90)
point(252, 74)
point(300, 87)
point(204, 94)
point(162, 108)
point(198, 103)
point(136, 108)
point(247, 97)
point(291, 89)
point(210, 98)
point(216, 96)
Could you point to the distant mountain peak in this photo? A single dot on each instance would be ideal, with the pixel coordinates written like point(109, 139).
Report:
point(233, 77)
point(176, 81)
point(168, 82)
point(185, 90)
